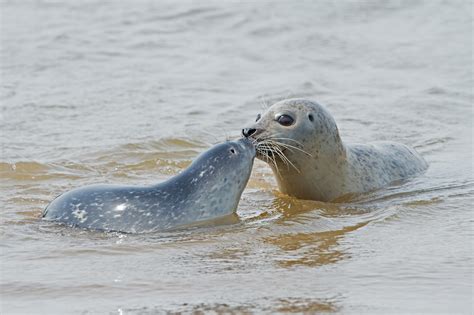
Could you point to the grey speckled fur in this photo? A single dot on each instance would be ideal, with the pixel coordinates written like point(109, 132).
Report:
point(209, 188)
point(334, 167)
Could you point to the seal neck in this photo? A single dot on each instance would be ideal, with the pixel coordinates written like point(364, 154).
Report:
point(318, 176)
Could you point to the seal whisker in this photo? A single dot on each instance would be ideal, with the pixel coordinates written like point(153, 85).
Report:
point(285, 160)
point(290, 93)
point(274, 148)
point(283, 157)
point(280, 154)
point(290, 147)
point(279, 138)
point(291, 163)
point(276, 164)
point(261, 149)
point(267, 104)
point(272, 159)
point(268, 148)
point(263, 105)
point(259, 139)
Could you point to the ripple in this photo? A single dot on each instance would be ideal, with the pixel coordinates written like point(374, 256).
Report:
point(185, 13)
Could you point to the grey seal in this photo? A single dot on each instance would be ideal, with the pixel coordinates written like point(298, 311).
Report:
point(300, 141)
point(209, 188)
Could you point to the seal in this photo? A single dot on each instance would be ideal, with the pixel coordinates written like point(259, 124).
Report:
point(209, 188)
point(300, 141)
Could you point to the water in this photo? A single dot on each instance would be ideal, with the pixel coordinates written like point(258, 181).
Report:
point(130, 92)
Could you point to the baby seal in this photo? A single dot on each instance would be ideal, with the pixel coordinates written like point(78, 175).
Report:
point(300, 141)
point(209, 188)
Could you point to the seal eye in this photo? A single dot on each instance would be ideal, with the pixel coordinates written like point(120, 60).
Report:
point(311, 118)
point(232, 151)
point(285, 120)
point(258, 117)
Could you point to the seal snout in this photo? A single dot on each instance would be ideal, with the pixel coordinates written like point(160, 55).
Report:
point(247, 132)
point(247, 145)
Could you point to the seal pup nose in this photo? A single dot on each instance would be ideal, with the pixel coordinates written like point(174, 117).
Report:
point(247, 132)
point(247, 145)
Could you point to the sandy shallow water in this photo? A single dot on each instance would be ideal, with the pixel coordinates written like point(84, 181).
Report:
point(130, 92)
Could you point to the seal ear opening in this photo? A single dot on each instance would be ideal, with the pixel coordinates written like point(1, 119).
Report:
point(310, 117)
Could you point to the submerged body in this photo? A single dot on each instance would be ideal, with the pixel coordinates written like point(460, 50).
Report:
point(209, 188)
point(300, 141)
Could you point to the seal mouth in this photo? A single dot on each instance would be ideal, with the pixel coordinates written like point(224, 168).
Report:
point(264, 150)
point(268, 149)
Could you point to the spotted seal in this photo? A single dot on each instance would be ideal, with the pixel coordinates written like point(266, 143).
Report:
point(209, 188)
point(300, 141)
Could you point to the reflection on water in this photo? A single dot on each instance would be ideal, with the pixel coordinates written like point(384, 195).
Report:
point(306, 306)
point(310, 249)
point(103, 92)
point(315, 229)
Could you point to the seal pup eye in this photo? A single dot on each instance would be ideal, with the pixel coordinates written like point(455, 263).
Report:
point(285, 120)
point(310, 116)
point(258, 117)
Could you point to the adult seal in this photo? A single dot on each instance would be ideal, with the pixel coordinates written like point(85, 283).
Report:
point(300, 141)
point(209, 188)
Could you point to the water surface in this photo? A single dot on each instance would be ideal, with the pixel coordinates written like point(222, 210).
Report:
point(130, 92)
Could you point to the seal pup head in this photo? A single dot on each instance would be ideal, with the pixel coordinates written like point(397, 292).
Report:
point(294, 137)
point(218, 177)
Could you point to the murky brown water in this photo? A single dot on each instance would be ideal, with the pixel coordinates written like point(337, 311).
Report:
point(131, 92)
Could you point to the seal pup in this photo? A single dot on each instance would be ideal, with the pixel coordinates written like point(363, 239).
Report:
point(300, 141)
point(209, 188)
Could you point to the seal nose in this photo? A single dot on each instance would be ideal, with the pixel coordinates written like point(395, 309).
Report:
point(248, 145)
point(247, 132)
